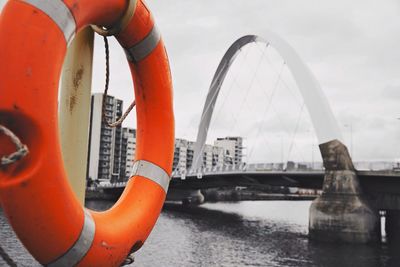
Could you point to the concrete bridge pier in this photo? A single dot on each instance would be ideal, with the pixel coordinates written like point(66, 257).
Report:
point(392, 226)
point(342, 213)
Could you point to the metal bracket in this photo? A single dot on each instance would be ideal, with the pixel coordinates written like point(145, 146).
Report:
point(121, 24)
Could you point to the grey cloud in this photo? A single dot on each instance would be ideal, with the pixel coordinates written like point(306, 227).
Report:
point(351, 46)
point(391, 92)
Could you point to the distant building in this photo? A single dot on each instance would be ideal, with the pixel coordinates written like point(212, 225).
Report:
point(184, 152)
point(207, 156)
point(180, 155)
point(104, 142)
point(233, 149)
point(128, 148)
point(213, 156)
point(190, 155)
point(217, 156)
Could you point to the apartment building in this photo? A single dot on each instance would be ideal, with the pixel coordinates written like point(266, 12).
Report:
point(104, 142)
point(180, 155)
point(233, 149)
point(128, 148)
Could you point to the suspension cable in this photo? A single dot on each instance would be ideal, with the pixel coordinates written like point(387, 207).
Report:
point(224, 97)
point(293, 96)
point(290, 90)
point(295, 132)
point(269, 104)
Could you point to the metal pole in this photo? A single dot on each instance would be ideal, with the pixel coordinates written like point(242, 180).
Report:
point(74, 109)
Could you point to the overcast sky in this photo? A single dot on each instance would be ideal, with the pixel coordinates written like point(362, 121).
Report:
point(352, 47)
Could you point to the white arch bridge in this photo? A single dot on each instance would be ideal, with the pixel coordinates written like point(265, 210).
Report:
point(348, 208)
point(323, 121)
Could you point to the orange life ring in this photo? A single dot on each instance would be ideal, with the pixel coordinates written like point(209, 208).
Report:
point(34, 193)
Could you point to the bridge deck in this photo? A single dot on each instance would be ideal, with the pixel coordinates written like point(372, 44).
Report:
point(371, 181)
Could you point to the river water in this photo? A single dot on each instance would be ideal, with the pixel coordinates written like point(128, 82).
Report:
point(247, 233)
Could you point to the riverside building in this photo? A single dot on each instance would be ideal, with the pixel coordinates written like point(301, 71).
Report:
point(226, 152)
point(233, 149)
point(111, 150)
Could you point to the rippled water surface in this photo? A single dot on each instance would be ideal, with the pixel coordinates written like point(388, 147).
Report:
point(262, 233)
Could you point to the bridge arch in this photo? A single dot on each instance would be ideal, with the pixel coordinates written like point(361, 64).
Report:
point(322, 118)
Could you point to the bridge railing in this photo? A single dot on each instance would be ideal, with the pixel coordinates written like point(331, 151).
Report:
point(262, 168)
point(241, 168)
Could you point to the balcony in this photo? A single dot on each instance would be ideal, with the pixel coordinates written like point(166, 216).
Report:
point(107, 132)
point(103, 171)
point(105, 139)
point(104, 158)
point(105, 145)
point(105, 152)
point(105, 165)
